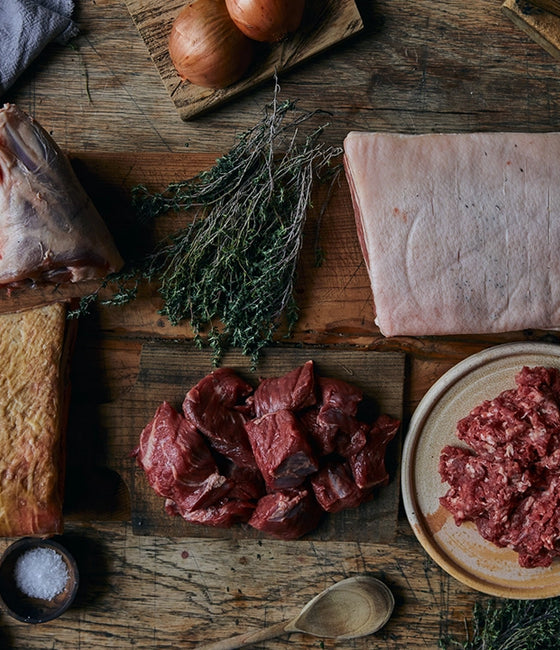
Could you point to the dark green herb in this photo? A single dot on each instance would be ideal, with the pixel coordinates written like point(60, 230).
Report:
point(512, 625)
point(231, 272)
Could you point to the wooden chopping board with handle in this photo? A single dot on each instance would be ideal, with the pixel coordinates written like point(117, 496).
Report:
point(168, 369)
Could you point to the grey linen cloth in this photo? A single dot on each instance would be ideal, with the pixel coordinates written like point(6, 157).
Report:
point(26, 26)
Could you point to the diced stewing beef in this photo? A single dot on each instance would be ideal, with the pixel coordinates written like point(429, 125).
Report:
point(215, 405)
point(287, 514)
point(281, 448)
point(278, 470)
point(293, 391)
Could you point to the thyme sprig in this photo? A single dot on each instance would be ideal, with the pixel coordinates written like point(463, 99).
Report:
point(513, 625)
point(231, 271)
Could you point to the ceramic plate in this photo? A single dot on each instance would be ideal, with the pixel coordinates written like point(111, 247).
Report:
point(460, 550)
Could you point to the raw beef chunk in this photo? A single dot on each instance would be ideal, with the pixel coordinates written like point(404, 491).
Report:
point(287, 514)
point(339, 395)
point(281, 449)
point(333, 422)
point(293, 391)
point(223, 514)
point(368, 464)
point(178, 462)
point(215, 406)
point(248, 483)
point(180, 466)
point(335, 488)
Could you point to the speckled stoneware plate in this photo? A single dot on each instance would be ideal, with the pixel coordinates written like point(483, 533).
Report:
point(460, 550)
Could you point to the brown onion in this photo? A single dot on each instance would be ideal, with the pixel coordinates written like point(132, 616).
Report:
point(206, 47)
point(266, 20)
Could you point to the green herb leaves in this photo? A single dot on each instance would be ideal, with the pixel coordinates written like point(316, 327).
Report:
point(513, 625)
point(231, 272)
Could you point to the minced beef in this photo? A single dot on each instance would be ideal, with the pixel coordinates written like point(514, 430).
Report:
point(507, 481)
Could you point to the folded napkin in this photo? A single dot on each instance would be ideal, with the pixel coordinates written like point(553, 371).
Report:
point(26, 26)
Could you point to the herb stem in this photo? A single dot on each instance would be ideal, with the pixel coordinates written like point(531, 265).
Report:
point(231, 271)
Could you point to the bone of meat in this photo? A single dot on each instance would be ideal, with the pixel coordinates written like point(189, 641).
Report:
point(460, 232)
point(50, 230)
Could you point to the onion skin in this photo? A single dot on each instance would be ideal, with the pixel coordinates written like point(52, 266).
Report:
point(205, 46)
point(266, 20)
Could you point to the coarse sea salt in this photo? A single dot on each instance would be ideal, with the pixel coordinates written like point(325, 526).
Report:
point(41, 573)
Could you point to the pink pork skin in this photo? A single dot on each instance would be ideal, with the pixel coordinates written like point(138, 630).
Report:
point(460, 232)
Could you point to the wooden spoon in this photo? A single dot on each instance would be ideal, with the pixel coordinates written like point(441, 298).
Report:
point(351, 608)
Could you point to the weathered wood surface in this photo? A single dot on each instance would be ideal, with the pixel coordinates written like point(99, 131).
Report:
point(325, 23)
point(164, 593)
point(540, 21)
point(415, 67)
point(169, 369)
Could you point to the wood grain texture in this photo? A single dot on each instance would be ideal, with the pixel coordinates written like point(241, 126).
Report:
point(169, 369)
point(415, 67)
point(541, 25)
point(165, 593)
point(325, 23)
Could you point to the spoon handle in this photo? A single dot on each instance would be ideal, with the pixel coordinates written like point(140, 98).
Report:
point(247, 639)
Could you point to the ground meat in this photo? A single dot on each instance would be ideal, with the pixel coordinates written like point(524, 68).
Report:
point(507, 480)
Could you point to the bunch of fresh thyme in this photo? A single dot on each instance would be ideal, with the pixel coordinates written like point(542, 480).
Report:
point(513, 625)
point(231, 271)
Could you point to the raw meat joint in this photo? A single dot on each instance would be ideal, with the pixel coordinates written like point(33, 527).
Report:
point(508, 480)
point(276, 458)
point(459, 232)
point(51, 231)
point(35, 348)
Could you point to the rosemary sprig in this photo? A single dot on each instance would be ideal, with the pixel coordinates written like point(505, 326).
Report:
point(231, 271)
point(513, 625)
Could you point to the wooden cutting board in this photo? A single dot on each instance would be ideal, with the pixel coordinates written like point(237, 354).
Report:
point(334, 298)
point(168, 369)
point(540, 25)
point(325, 23)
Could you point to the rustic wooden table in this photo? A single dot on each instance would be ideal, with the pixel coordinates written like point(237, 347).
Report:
point(415, 67)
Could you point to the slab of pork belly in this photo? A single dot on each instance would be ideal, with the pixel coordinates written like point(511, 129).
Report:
point(50, 229)
point(460, 232)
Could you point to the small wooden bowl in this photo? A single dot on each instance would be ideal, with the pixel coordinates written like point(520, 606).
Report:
point(26, 608)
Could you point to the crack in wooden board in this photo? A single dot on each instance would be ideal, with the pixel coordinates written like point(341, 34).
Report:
point(168, 369)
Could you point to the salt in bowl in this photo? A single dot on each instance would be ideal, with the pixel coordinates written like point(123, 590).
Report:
point(34, 553)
